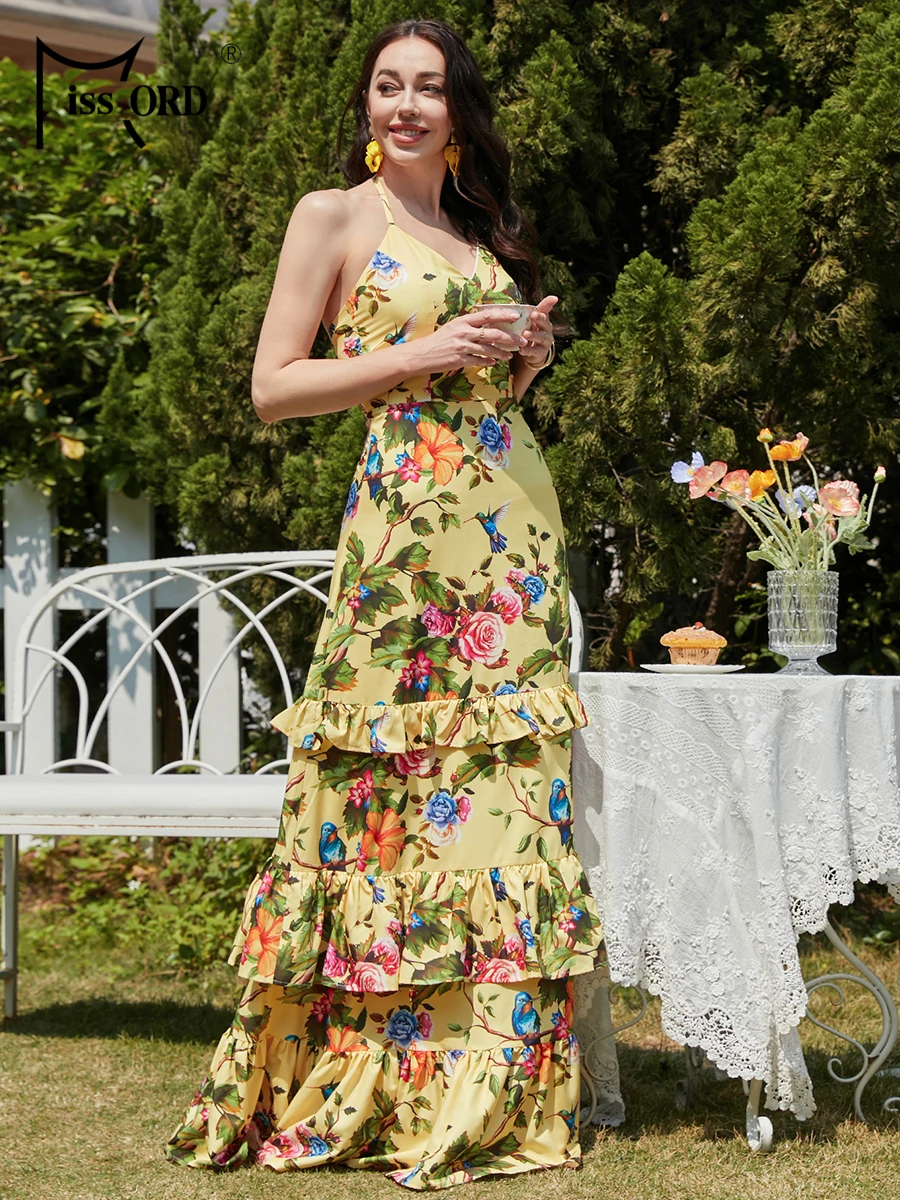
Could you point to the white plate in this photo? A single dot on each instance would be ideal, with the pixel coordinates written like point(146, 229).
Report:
point(693, 668)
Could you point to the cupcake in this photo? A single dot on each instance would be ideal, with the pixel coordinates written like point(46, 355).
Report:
point(693, 644)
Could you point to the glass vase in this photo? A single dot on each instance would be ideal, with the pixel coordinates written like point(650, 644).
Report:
point(802, 618)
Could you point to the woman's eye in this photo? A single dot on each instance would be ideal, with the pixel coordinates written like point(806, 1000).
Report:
point(384, 87)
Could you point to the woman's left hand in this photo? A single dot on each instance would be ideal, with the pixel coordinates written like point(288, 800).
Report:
point(539, 333)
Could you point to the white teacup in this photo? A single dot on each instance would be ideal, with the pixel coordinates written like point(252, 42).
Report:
point(522, 311)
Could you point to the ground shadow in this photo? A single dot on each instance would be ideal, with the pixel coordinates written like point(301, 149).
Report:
point(99, 1017)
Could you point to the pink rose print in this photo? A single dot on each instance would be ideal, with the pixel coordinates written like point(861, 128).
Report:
point(386, 952)
point(499, 970)
point(421, 763)
point(507, 603)
point(334, 966)
point(426, 1027)
point(515, 948)
point(437, 622)
point(483, 638)
point(367, 977)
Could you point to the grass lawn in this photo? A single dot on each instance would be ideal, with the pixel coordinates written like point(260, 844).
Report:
point(104, 1057)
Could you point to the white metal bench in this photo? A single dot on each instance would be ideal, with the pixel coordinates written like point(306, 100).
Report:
point(124, 793)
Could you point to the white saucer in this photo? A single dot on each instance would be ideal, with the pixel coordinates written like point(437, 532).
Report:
point(692, 668)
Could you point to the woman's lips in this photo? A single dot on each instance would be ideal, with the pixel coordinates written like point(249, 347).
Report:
point(408, 135)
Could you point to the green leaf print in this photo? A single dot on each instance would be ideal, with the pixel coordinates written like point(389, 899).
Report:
point(427, 585)
point(379, 600)
point(421, 526)
point(338, 676)
point(227, 1097)
point(356, 553)
point(555, 626)
point(410, 558)
point(475, 766)
point(541, 660)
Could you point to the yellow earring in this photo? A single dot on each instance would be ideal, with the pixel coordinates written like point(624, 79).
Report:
point(451, 153)
point(374, 155)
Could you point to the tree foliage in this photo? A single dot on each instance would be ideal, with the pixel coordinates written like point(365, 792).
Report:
point(715, 190)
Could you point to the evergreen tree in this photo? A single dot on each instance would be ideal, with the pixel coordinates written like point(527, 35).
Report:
point(782, 311)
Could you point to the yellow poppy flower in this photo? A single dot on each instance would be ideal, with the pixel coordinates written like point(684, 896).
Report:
point(758, 482)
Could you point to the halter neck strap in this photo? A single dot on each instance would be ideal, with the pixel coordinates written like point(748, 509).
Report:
point(384, 199)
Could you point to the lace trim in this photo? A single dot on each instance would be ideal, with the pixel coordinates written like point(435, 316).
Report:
point(395, 728)
point(372, 933)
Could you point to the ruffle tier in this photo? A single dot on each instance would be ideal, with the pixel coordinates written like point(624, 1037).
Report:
point(304, 1078)
point(395, 728)
point(367, 933)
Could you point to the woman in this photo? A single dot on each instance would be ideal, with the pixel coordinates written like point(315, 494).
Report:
point(409, 944)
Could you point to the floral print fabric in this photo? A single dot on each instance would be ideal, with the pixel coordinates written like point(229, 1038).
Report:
point(408, 945)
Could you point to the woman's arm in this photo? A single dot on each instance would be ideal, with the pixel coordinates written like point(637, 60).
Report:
point(286, 382)
point(523, 376)
point(540, 339)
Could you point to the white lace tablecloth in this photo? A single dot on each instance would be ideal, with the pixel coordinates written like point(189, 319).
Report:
point(717, 818)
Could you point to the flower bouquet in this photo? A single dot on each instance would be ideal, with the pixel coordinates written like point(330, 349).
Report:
point(797, 535)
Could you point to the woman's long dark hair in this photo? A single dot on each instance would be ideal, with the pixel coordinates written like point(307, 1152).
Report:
point(478, 199)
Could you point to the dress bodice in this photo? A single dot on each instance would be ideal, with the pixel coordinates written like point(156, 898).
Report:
point(406, 291)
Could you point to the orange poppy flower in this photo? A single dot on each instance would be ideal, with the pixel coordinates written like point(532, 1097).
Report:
point(384, 837)
point(440, 451)
point(790, 451)
point(343, 1041)
point(263, 941)
point(759, 481)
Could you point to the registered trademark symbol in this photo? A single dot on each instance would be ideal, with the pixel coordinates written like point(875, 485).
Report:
point(231, 53)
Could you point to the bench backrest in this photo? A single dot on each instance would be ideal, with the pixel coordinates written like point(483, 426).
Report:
point(137, 602)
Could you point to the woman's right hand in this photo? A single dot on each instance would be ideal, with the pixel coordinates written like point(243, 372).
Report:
point(471, 339)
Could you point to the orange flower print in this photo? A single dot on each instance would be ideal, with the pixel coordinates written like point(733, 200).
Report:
point(440, 451)
point(263, 941)
point(424, 1060)
point(344, 1041)
point(384, 837)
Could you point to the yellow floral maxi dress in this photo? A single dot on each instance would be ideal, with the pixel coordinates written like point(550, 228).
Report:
point(409, 944)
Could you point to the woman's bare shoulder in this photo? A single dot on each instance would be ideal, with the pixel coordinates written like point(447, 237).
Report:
point(334, 208)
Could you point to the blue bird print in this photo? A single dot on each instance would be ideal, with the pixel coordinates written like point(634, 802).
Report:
point(526, 716)
point(561, 809)
point(525, 1020)
point(489, 522)
point(394, 339)
point(568, 1115)
point(376, 745)
point(500, 892)
point(373, 467)
point(331, 848)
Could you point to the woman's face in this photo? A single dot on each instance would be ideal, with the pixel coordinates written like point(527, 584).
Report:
point(407, 89)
